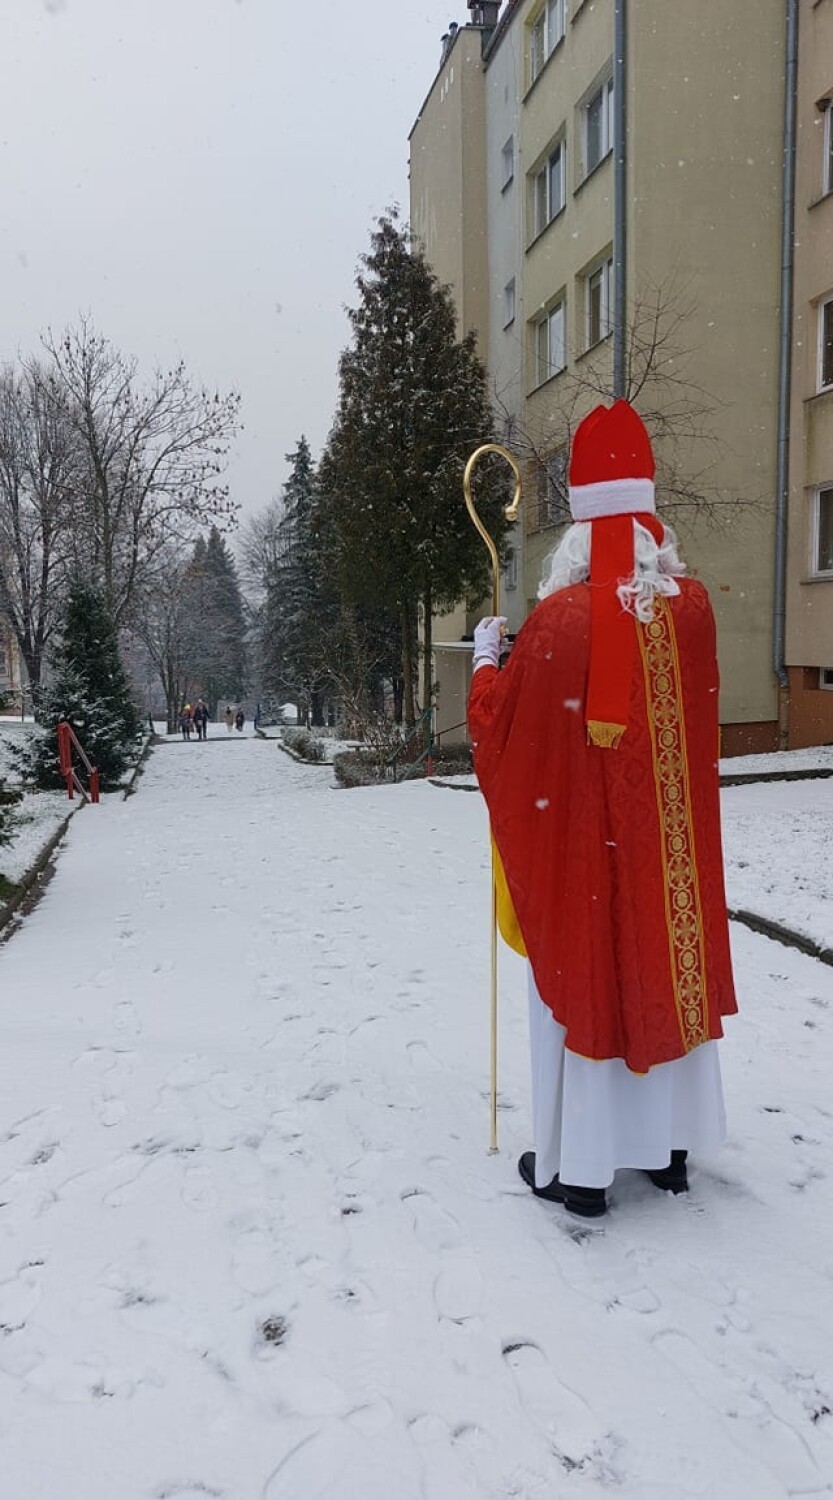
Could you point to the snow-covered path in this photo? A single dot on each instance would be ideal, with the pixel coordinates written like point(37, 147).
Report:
point(252, 1245)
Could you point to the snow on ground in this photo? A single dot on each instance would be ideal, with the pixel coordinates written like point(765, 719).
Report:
point(818, 758)
point(36, 818)
point(252, 1244)
point(778, 837)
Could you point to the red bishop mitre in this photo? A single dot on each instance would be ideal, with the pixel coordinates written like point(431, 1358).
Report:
point(611, 485)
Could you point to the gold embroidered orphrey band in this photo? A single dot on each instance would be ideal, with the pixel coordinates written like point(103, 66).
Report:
point(684, 918)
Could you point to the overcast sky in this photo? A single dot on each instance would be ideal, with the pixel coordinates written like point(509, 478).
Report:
point(201, 176)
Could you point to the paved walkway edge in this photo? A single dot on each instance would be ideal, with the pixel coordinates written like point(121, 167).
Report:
point(26, 886)
point(781, 934)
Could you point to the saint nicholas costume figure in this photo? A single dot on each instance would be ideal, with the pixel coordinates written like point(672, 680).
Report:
point(596, 749)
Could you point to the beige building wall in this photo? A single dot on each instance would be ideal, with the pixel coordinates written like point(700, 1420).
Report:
point(705, 127)
point(448, 213)
point(555, 260)
point(704, 199)
point(448, 180)
point(11, 677)
point(705, 174)
point(809, 643)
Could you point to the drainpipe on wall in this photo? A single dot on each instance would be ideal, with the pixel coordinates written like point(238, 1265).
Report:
point(620, 190)
point(782, 468)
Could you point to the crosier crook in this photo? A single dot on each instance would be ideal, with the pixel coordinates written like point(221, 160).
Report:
point(511, 513)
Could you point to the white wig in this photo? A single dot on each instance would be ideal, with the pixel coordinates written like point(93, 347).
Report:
point(656, 567)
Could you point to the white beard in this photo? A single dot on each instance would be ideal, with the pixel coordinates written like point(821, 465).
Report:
point(655, 571)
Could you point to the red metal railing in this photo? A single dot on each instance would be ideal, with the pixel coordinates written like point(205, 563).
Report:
point(67, 738)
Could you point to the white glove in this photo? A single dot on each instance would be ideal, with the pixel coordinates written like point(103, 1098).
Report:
point(488, 641)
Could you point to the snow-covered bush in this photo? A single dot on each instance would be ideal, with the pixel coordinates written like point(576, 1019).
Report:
point(363, 768)
point(304, 744)
point(358, 768)
point(9, 798)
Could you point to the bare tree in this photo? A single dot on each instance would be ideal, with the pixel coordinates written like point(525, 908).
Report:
point(677, 410)
point(154, 458)
point(40, 473)
point(163, 620)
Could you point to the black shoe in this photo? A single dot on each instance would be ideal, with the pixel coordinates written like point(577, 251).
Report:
point(674, 1177)
point(588, 1203)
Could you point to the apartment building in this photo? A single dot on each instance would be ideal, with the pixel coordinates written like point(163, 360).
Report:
point(11, 677)
point(635, 192)
point(809, 579)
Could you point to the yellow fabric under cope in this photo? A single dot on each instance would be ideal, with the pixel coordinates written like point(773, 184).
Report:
point(506, 919)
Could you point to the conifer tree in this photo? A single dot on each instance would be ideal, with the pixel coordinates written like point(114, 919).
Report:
point(219, 621)
point(412, 407)
point(89, 688)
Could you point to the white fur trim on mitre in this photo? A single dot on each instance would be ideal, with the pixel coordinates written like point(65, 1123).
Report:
point(612, 497)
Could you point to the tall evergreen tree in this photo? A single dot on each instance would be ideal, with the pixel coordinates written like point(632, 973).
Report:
point(219, 621)
point(412, 407)
point(300, 601)
point(89, 689)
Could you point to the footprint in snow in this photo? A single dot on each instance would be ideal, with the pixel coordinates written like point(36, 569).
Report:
point(111, 1111)
point(421, 1058)
point(446, 1463)
point(19, 1296)
point(557, 1410)
point(434, 1227)
point(319, 1092)
point(44, 1154)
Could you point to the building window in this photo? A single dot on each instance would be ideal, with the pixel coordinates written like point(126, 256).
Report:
point(598, 127)
point(826, 344)
point(549, 344)
point(553, 506)
point(823, 531)
point(827, 176)
point(598, 304)
point(548, 189)
point(507, 163)
point(510, 572)
point(509, 303)
point(826, 678)
point(545, 33)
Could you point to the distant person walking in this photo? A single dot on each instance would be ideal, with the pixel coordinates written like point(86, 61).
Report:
point(229, 716)
point(186, 722)
point(239, 720)
point(201, 719)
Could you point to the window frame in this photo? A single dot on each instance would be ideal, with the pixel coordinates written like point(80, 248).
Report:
point(543, 212)
point(825, 345)
point(510, 305)
point(551, 509)
point(827, 162)
point(542, 25)
point(604, 94)
point(507, 158)
point(826, 687)
point(604, 271)
point(816, 570)
point(557, 311)
point(510, 571)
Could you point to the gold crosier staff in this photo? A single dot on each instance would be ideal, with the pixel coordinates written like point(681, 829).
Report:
point(511, 514)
